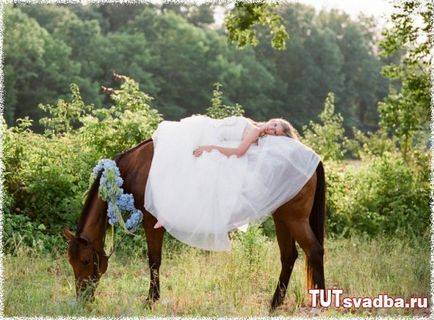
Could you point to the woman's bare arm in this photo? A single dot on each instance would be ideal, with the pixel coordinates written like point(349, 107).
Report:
point(245, 144)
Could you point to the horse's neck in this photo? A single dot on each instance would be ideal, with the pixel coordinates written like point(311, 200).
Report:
point(94, 227)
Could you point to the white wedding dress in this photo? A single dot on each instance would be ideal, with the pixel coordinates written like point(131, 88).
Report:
point(199, 200)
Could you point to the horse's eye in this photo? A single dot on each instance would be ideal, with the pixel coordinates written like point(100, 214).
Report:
point(86, 262)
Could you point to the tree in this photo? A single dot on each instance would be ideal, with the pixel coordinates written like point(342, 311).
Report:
point(363, 85)
point(118, 16)
point(241, 21)
point(327, 138)
point(38, 67)
point(48, 16)
point(406, 110)
point(198, 15)
point(328, 51)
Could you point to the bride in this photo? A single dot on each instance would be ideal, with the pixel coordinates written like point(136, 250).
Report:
point(251, 133)
point(210, 176)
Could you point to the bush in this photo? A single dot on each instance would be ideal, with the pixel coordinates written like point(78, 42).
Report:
point(21, 233)
point(385, 196)
point(218, 110)
point(126, 123)
point(47, 175)
point(327, 137)
point(374, 144)
point(250, 244)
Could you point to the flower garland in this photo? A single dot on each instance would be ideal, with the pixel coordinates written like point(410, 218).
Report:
point(110, 191)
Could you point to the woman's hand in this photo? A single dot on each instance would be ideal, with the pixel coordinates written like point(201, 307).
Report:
point(199, 150)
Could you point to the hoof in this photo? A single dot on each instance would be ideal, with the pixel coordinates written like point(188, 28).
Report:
point(276, 302)
point(149, 304)
point(150, 301)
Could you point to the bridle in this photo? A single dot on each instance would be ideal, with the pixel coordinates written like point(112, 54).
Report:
point(96, 254)
point(96, 259)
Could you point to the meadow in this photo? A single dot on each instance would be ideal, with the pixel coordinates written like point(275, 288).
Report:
point(361, 101)
point(236, 283)
point(377, 213)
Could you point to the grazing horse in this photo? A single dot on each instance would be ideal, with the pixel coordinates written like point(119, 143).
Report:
point(301, 219)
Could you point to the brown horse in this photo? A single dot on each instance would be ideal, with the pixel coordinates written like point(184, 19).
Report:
point(301, 219)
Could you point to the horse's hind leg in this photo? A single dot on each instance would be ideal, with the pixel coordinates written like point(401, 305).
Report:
point(154, 238)
point(304, 235)
point(288, 255)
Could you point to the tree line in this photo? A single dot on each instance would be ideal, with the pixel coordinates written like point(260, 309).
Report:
point(177, 54)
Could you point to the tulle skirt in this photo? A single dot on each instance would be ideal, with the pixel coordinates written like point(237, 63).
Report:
point(199, 200)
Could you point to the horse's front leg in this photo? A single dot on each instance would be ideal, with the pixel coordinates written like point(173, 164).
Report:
point(288, 255)
point(154, 238)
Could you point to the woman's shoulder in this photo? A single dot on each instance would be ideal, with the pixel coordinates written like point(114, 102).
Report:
point(251, 130)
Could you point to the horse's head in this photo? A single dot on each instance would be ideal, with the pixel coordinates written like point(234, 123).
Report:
point(88, 263)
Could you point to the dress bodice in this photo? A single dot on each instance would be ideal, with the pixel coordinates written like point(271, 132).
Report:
point(231, 128)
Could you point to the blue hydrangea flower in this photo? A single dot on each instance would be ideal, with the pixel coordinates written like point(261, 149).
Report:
point(110, 189)
point(126, 202)
point(111, 213)
point(134, 221)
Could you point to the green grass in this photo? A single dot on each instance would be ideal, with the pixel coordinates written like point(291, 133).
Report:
point(237, 283)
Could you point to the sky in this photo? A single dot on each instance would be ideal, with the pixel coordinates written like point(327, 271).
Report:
point(381, 9)
point(378, 8)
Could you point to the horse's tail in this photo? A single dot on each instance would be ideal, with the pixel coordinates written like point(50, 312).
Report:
point(317, 222)
point(318, 213)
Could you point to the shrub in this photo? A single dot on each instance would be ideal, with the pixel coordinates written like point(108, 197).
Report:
point(47, 174)
point(21, 233)
point(327, 137)
point(218, 110)
point(387, 195)
point(127, 122)
point(374, 144)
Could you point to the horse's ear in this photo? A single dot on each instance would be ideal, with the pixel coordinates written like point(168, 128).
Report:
point(83, 239)
point(68, 234)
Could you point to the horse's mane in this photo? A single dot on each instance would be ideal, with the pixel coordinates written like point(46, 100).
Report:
point(95, 185)
point(126, 152)
point(85, 211)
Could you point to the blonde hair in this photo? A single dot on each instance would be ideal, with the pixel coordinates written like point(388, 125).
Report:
point(288, 129)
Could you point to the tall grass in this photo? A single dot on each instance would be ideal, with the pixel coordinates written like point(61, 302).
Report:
point(236, 283)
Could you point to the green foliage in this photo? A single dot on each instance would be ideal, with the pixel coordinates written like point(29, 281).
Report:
point(241, 21)
point(328, 52)
point(64, 115)
point(20, 233)
point(46, 175)
point(406, 110)
point(359, 66)
point(327, 138)
point(371, 145)
point(218, 110)
point(175, 55)
point(196, 14)
point(385, 196)
point(127, 122)
point(251, 245)
point(42, 65)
